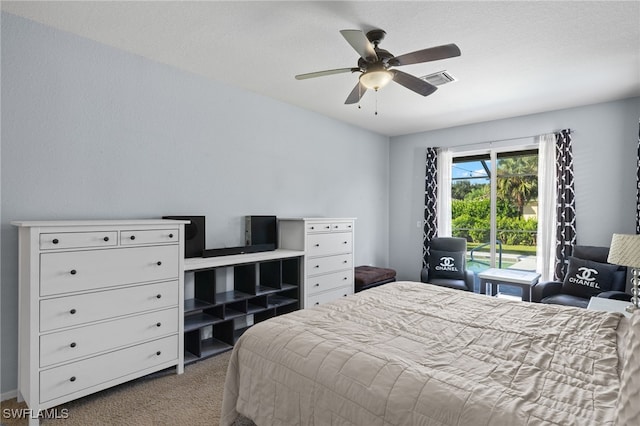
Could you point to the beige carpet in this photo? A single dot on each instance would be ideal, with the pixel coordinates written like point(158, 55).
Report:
point(164, 398)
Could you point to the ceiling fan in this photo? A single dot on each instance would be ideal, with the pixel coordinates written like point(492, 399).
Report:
point(375, 64)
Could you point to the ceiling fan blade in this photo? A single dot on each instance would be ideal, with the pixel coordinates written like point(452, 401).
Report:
point(426, 55)
point(360, 44)
point(419, 86)
point(356, 94)
point(323, 73)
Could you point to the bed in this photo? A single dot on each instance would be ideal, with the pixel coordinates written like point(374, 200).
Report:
point(410, 353)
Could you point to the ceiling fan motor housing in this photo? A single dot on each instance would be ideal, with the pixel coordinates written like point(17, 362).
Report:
point(376, 36)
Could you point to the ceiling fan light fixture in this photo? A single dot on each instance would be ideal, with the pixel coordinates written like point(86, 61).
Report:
point(376, 79)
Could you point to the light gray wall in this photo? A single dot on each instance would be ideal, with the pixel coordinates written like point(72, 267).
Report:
point(605, 138)
point(93, 132)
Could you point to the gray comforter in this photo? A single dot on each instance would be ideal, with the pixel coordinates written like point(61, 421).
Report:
point(415, 354)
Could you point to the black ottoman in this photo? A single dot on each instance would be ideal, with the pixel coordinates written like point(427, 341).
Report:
point(372, 276)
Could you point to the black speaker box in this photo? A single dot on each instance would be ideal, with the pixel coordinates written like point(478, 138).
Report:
point(261, 230)
point(194, 235)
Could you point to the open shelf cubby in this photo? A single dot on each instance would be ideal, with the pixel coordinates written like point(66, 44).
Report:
point(232, 293)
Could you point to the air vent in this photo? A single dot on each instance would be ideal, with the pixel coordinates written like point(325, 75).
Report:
point(439, 78)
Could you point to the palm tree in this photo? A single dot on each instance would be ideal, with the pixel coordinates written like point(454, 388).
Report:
point(517, 180)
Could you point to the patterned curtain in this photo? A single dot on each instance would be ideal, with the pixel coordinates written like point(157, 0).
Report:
point(430, 203)
point(638, 185)
point(565, 202)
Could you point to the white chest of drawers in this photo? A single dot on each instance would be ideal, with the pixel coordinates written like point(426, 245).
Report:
point(100, 303)
point(328, 247)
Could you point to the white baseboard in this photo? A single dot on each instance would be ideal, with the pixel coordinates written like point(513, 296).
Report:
point(8, 395)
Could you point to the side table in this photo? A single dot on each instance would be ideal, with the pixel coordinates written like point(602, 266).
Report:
point(510, 277)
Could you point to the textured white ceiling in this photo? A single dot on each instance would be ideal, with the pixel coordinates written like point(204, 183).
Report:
point(517, 57)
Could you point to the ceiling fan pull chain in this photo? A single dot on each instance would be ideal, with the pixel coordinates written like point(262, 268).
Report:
point(376, 113)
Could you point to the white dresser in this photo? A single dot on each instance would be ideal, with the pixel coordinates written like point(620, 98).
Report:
point(100, 303)
point(328, 247)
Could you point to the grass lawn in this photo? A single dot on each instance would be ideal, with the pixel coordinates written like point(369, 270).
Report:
point(522, 250)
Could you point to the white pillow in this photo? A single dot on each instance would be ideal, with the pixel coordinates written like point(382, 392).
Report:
point(628, 412)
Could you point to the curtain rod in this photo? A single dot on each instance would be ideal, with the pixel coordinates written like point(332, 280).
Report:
point(506, 140)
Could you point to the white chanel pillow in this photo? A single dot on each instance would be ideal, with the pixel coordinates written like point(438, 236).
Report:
point(629, 397)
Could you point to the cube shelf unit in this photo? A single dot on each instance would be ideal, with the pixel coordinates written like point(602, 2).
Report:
point(264, 285)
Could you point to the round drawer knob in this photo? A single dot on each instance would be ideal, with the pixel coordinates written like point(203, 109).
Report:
point(345, 261)
point(55, 241)
point(106, 239)
point(133, 237)
point(158, 324)
point(159, 263)
point(73, 311)
point(316, 285)
point(73, 272)
point(158, 353)
point(159, 296)
point(317, 303)
point(72, 379)
point(72, 345)
point(170, 235)
point(317, 266)
point(317, 245)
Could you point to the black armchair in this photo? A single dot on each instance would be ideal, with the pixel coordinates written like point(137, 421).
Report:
point(447, 264)
point(588, 275)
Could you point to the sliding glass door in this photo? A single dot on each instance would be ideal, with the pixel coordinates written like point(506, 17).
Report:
point(516, 208)
point(471, 207)
point(494, 206)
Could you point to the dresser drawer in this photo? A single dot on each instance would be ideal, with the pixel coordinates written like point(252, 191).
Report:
point(66, 272)
point(57, 313)
point(67, 379)
point(151, 236)
point(328, 296)
point(67, 240)
point(327, 244)
point(342, 227)
point(80, 342)
point(323, 265)
point(322, 283)
point(313, 227)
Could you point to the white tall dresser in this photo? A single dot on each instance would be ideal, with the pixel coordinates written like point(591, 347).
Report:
point(100, 303)
point(328, 246)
